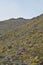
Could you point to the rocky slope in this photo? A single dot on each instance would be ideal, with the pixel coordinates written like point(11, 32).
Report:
point(21, 41)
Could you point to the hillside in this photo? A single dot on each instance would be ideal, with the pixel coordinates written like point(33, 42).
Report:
point(21, 41)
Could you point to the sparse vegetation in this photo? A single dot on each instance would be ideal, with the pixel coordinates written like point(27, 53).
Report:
point(21, 41)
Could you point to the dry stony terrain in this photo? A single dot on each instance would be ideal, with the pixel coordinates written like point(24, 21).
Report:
point(21, 41)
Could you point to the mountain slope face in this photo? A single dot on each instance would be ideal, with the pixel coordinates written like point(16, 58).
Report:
point(21, 41)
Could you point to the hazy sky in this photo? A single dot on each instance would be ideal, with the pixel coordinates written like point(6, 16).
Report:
point(20, 8)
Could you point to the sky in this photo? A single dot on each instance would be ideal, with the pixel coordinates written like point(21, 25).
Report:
point(20, 8)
